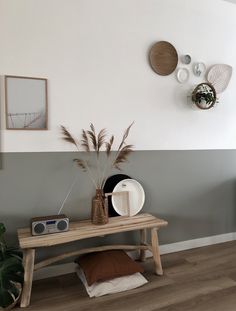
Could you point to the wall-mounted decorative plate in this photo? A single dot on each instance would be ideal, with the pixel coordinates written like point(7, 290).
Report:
point(163, 58)
point(219, 76)
point(199, 69)
point(182, 75)
point(186, 59)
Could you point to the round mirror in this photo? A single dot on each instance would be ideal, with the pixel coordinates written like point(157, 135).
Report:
point(204, 96)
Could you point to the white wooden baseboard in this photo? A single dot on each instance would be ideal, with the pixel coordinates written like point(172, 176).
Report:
point(61, 269)
point(184, 245)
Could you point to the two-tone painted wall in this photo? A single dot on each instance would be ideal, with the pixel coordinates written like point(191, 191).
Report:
point(95, 56)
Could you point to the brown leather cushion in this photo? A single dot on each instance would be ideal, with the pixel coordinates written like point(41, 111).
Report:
point(101, 266)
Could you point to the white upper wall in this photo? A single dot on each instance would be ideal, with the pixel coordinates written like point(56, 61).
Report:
point(95, 56)
point(233, 1)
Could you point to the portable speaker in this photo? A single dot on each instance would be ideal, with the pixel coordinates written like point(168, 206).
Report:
point(49, 224)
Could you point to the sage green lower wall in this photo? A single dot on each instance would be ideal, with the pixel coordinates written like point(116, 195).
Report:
point(193, 190)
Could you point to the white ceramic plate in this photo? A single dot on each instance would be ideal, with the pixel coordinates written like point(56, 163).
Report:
point(136, 197)
point(199, 69)
point(182, 75)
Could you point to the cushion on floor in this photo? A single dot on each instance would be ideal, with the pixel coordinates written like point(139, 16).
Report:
point(112, 286)
point(101, 266)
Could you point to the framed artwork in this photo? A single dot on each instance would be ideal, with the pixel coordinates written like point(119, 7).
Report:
point(26, 103)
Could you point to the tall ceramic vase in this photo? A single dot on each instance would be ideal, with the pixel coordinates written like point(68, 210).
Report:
point(99, 212)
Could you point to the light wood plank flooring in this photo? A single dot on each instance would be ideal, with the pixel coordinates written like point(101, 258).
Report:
point(202, 279)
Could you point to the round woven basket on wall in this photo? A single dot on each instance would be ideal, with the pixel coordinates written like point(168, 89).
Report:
point(200, 89)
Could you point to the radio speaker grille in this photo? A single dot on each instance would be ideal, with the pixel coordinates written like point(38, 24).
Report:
point(39, 228)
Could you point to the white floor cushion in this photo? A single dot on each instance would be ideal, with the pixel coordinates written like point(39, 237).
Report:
point(112, 286)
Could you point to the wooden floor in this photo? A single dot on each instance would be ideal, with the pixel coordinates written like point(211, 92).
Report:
point(202, 279)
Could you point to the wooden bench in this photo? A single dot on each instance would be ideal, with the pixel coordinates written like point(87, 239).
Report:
point(84, 229)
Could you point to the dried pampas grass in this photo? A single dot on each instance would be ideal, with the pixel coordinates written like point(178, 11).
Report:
point(92, 142)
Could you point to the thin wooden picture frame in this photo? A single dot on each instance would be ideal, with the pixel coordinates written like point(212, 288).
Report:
point(20, 97)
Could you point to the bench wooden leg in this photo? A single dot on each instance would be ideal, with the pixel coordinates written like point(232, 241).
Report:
point(143, 241)
point(156, 251)
point(28, 262)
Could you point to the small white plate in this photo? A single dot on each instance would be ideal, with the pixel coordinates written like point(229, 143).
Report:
point(199, 69)
point(182, 75)
point(136, 197)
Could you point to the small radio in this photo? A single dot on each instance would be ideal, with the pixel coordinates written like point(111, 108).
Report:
point(49, 224)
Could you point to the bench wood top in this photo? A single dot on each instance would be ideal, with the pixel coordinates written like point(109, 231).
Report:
point(84, 229)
